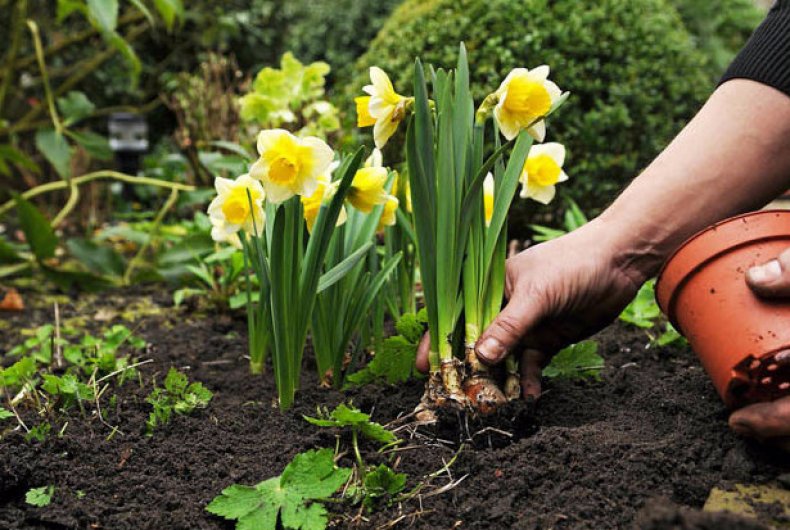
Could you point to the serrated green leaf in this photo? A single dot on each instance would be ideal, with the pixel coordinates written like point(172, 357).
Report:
point(75, 106)
point(313, 474)
point(578, 361)
point(55, 149)
point(345, 416)
point(643, 311)
point(38, 231)
point(394, 363)
point(382, 482)
point(40, 497)
point(410, 327)
point(5, 414)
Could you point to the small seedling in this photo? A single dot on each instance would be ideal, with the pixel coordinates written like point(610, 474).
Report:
point(80, 494)
point(38, 433)
point(5, 414)
point(576, 362)
point(40, 497)
point(643, 311)
point(380, 483)
point(67, 390)
point(356, 420)
point(669, 336)
point(179, 396)
point(395, 362)
point(294, 498)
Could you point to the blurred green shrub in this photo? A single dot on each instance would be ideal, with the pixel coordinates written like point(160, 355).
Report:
point(635, 74)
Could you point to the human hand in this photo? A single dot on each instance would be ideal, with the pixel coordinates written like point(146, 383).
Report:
point(558, 292)
point(768, 421)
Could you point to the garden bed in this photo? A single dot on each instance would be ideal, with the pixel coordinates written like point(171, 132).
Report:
point(642, 445)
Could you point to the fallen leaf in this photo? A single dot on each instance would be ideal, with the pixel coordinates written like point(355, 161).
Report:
point(746, 499)
point(12, 301)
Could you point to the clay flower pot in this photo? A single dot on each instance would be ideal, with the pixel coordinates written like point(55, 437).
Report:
point(703, 291)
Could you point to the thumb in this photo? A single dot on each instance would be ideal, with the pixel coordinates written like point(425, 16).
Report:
point(772, 279)
point(506, 331)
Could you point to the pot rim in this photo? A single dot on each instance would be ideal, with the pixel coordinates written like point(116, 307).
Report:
point(666, 290)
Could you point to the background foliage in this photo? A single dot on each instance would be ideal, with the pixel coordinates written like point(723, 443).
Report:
point(635, 72)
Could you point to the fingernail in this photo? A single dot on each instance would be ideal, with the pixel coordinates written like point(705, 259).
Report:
point(767, 273)
point(491, 349)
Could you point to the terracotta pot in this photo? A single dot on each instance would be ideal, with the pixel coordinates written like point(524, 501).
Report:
point(702, 288)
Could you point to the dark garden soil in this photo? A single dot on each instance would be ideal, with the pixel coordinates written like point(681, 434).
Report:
point(641, 448)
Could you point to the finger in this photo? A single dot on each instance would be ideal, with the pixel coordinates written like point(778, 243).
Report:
point(771, 279)
point(507, 329)
point(422, 353)
point(763, 420)
point(531, 368)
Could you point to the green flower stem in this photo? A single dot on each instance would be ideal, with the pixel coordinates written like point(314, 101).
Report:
point(96, 175)
point(45, 76)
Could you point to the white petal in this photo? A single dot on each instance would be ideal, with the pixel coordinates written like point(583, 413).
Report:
point(380, 109)
point(542, 194)
point(507, 126)
point(553, 149)
point(513, 73)
point(222, 185)
point(553, 90)
point(276, 193)
point(540, 73)
point(538, 131)
point(259, 169)
point(268, 137)
point(322, 156)
point(376, 159)
point(563, 177)
point(382, 132)
point(380, 80)
point(370, 90)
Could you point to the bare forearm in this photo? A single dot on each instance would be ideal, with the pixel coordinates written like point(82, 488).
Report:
point(734, 156)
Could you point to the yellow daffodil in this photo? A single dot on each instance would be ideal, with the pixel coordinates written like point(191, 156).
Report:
point(385, 107)
point(364, 119)
point(289, 165)
point(406, 190)
point(522, 98)
point(367, 188)
point(324, 192)
point(388, 215)
point(542, 170)
point(488, 197)
point(238, 204)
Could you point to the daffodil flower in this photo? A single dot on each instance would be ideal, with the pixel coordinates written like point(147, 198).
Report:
point(523, 99)
point(367, 188)
point(376, 159)
point(542, 170)
point(385, 107)
point(289, 165)
point(389, 214)
point(238, 204)
point(324, 192)
point(406, 190)
point(488, 197)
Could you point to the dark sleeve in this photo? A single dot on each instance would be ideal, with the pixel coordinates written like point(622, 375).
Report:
point(766, 56)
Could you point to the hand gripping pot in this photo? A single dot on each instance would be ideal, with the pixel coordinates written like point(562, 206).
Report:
point(702, 289)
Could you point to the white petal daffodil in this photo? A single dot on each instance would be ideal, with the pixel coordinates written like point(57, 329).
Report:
point(542, 171)
point(389, 214)
point(384, 108)
point(367, 188)
point(376, 159)
point(324, 192)
point(523, 99)
point(289, 165)
point(238, 204)
point(488, 197)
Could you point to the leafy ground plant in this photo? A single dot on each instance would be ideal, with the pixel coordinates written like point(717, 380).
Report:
point(578, 361)
point(294, 498)
point(40, 497)
point(178, 395)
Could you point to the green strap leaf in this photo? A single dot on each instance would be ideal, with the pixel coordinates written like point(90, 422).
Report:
point(336, 273)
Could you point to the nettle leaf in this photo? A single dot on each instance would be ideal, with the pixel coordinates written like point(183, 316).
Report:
point(40, 497)
point(578, 361)
point(75, 106)
point(345, 416)
point(310, 476)
point(643, 311)
point(382, 482)
point(38, 231)
point(56, 150)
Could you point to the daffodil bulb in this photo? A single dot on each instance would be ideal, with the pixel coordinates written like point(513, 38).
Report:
point(542, 171)
point(289, 165)
point(488, 197)
point(237, 206)
point(389, 214)
point(383, 108)
point(523, 99)
point(324, 192)
point(367, 188)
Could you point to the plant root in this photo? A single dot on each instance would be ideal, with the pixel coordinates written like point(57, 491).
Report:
point(452, 374)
